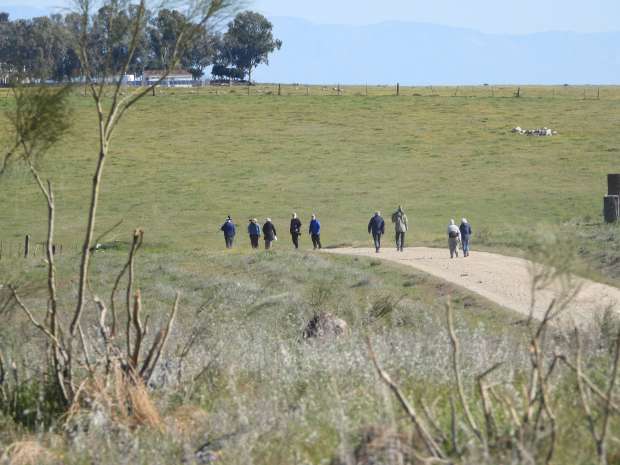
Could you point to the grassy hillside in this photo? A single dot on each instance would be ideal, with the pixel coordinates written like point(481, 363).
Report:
point(183, 160)
point(252, 389)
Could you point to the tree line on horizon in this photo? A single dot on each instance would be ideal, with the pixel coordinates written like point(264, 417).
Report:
point(43, 48)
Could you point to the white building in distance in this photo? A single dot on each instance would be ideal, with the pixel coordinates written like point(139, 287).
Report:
point(176, 78)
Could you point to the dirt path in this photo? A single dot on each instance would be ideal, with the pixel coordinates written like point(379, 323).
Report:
point(504, 280)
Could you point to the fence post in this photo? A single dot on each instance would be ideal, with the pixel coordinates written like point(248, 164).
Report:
point(397, 89)
point(279, 89)
point(26, 245)
point(598, 93)
point(307, 91)
point(366, 89)
point(338, 88)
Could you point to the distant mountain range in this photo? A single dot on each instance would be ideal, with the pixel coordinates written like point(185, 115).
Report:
point(422, 54)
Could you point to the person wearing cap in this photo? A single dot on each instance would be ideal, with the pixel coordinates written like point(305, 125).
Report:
point(269, 233)
point(454, 237)
point(400, 227)
point(376, 227)
point(315, 232)
point(465, 229)
point(229, 230)
point(254, 232)
point(295, 230)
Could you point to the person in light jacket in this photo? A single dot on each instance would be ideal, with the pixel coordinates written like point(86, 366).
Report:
point(295, 230)
point(376, 227)
point(315, 232)
point(269, 233)
point(229, 230)
point(454, 237)
point(401, 225)
point(254, 232)
point(465, 229)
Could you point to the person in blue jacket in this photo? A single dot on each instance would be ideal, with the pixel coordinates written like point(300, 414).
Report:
point(465, 229)
point(315, 232)
point(376, 227)
point(254, 232)
point(229, 230)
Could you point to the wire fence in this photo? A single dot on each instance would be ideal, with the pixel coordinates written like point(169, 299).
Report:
point(28, 247)
point(574, 92)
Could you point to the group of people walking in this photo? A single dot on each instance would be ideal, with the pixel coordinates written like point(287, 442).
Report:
point(376, 227)
point(457, 235)
point(269, 233)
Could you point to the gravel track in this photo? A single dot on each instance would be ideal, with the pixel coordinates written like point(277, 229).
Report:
point(504, 280)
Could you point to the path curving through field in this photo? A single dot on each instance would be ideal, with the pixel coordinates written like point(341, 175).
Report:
point(504, 280)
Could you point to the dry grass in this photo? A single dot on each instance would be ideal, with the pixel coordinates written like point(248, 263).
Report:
point(122, 399)
point(28, 452)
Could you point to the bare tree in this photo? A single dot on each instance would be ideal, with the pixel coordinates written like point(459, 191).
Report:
point(39, 120)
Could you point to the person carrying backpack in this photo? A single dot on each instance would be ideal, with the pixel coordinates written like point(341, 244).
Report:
point(454, 237)
point(229, 230)
point(401, 225)
point(376, 227)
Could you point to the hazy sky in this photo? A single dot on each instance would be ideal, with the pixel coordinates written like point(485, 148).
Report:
point(508, 16)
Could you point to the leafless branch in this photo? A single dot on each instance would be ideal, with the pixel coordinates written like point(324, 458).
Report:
point(430, 444)
point(457, 372)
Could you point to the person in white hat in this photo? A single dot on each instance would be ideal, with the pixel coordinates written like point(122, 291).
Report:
point(454, 237)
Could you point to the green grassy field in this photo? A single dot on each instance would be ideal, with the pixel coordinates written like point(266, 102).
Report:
point(185, 159)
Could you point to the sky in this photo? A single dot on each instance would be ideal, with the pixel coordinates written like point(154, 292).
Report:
point(491, 16)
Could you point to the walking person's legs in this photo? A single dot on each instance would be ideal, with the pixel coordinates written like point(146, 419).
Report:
point(400, 241)
point(452, 246)
point(295, 238)
point(377, 239)
point(314, 241)
point(318, 241)
point(267, 244)
point(465, 246)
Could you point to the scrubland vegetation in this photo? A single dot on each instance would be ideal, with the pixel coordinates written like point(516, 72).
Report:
point(237, 382)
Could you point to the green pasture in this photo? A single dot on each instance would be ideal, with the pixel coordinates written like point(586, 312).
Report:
point(184, 159)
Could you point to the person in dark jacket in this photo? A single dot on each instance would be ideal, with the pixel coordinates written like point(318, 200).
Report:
point(254, 232)
point(465, 229)
point(229, 230)
point(269, 233)
point(376, 227)
point(315, 232)
point(295, 230)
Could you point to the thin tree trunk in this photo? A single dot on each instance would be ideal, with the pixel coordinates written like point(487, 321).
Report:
point(90, 229)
